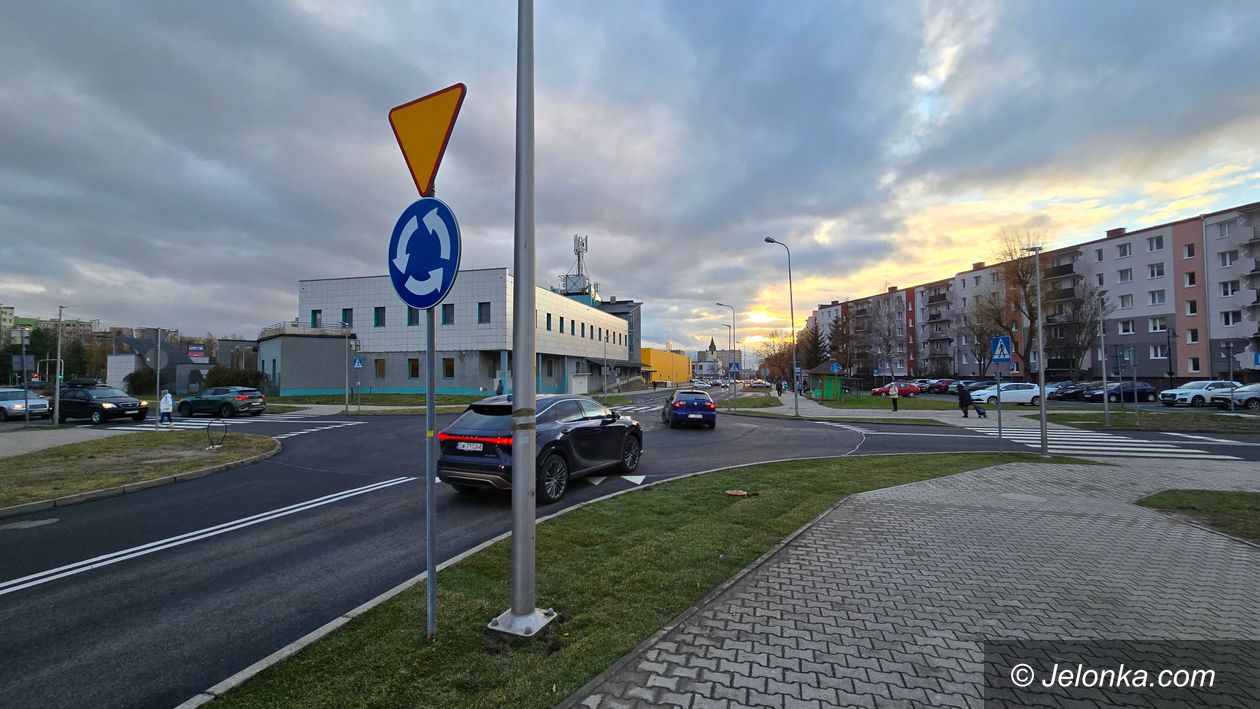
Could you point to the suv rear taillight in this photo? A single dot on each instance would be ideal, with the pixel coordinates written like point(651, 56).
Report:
point(242, 397)
point(494, 440)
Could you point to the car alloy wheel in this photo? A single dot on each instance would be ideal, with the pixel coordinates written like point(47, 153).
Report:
point(97, 417)
point(1150, 397)
point(1253, 404)
point(992, 400)
point(225, 411)
point(1036, 401)
point(1196, 401)
point(553, 478)
point(1114, 398)
point(185, 409)
point(631, 450)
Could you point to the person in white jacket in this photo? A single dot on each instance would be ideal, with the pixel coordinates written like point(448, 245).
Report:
point(165, 406)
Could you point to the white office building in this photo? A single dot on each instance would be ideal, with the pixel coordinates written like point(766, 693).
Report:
point(579, 347)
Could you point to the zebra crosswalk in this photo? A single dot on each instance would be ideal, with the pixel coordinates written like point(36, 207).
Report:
point(1099, 443)
point(307, 424)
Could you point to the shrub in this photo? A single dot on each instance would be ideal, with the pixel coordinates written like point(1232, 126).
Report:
point(141, 382)
point(228, 377)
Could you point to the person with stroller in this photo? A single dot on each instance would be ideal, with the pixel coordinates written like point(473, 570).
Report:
point(965, 402)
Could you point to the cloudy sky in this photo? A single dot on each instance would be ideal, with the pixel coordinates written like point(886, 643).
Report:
point(184, 164)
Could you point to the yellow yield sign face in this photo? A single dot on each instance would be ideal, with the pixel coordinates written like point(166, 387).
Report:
point(423, 128)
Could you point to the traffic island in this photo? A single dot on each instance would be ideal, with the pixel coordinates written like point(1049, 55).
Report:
point(616, 571)
point(76, 472)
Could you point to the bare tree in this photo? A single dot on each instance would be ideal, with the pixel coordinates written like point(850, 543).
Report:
point(1075, 329)
point(987, 318)
point(887, 331)
point(1020, 276)
point(775, 354)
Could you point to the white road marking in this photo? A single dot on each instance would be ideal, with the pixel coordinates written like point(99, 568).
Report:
point(114, 557)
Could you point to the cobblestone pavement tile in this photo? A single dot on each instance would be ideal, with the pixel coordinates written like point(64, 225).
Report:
point(888, 599)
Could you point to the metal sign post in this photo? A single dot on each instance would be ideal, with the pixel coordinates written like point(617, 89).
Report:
point(1000, 353)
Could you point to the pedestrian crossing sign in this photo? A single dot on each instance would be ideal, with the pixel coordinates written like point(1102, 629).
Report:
point(358, 363)
point(1001, 349)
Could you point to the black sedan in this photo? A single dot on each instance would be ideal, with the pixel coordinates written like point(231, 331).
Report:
point(100, 404)
point(1122, 391)
point(576, 436)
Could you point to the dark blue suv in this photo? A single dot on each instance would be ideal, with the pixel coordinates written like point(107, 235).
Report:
point(576, 436)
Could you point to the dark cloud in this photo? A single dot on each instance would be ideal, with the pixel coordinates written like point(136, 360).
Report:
point(207, 156)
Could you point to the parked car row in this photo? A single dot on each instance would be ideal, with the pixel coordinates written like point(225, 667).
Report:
point(99, 403)
point(1245, 397)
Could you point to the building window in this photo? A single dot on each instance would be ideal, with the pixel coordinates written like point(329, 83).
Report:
point(1227, 258)
point(413, 368)
point(601, 334)
point(964, 302)
point(1192, 307)
point(1158, 325)
point(1231, 317)
point(317, 318)
point(1155, 270)
point(1126, 302)
point(378, 316)
point(347, 316)
point(1187, 251)
point(583, 329)
point(561, 324)
point(1193, 364)
point(448, 367)
point(1155, 243)
point(1155, 297)
point(1159, 351)
point(995, 277)
point(379, 366)
point(483, 312)
point(1124, 275)
point(963, 358)
point(448, 313)
point(1224, 229)
point(1099, 277)
point(977, 280)
point(548, 322)
point(1098, 255)
point(1229, 289)
point(1192, 335)
point(1191, 279)
point(1124, 250)
point(1126, 327)
point(413, 316)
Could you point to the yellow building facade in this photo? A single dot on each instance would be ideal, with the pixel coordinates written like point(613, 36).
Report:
point(665, 366)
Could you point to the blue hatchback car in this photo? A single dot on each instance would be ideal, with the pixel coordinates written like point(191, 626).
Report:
point(689, 406)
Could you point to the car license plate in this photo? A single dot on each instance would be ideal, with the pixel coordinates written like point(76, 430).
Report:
point(694, 416)
point(135, 411)
point(469, 446)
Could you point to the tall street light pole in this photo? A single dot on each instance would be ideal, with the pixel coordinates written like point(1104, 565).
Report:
point(1041, 355)
point(346, 327)
point(734, 344)
point(1102, 343)
point(796, 404)
point(57, 377)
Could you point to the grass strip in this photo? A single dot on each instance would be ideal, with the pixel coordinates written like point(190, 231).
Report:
point(613, 399)
point(1179, 422)
point(866, 401)
point(617, 571)
point(417, 399)
point(1235, 513)
point(752, 402)
point(117, 460)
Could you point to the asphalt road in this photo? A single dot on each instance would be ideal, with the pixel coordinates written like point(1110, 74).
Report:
point(146, 599)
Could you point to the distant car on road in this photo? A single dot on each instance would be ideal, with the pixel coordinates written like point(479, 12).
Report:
point(1245, 397)
point(1196, 393)
point(1012, 393)
point(100, 404)
point(224, 402)
point(575, 436)
point(1052, 387)
point(940, 386)
point(1122, 391)
point(689, 407)
point(17, 403)
point(903, 389)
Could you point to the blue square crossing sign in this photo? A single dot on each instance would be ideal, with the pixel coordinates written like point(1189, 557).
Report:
point(1001, 349)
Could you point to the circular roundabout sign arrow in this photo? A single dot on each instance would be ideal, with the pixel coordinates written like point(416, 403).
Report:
point(424, 253)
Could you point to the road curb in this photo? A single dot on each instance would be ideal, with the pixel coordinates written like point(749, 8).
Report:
point(39, 505)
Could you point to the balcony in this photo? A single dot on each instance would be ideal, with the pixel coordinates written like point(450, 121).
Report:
point(1253, 244)
point(1254, 275)
point(938, 317)
point(859, 312)
point(1057, 294)
point(938, 337)
point(940, 355)
point(941, 298)
point(298, 327)
point(1066, 269)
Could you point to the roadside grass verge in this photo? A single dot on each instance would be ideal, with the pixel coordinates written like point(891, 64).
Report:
point(1179, 422)
point(1235, 513)
point(117, 460)
point(416, 399)
point(616, 571)
point(752, 402)
point(612, 399)
point(866, 401)
point(282, 408)
point(907, 421)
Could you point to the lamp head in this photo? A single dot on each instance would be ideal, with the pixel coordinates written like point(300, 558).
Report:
point(770, 240)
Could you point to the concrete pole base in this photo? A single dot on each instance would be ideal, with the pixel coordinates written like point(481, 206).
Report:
point(522, 626)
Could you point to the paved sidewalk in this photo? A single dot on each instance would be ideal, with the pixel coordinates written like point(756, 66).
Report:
point(887, 599)
point(21, 441)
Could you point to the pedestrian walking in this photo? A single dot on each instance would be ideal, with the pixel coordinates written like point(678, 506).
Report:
point(165, 406)
point(964, 399)
point(498, 389)
point(893, 395)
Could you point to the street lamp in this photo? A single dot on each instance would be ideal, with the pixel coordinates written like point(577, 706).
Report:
point(1041, 355)
point(796, 405)
point(1102, 344)
point(734, 380)
point(346, 326)
point(57, 379)
point(1169, 334)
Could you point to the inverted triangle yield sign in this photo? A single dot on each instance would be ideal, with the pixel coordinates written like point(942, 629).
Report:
point(423, 128)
